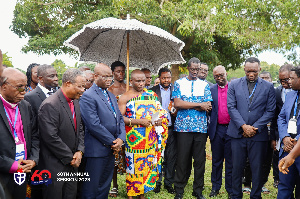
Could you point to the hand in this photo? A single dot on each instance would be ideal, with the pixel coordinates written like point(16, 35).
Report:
point(249, 131)
point(285, 163)
point(76, 159)
point(28, 165)
point(273, 145)
point(117, 145)
point(288, 144)
point(145, 122)
point(158, 122)
point(20, 166)
point(205, 106)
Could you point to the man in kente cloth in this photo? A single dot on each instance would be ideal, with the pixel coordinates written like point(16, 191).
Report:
point(146, 134)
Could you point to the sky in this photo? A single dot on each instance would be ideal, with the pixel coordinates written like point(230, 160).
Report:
point(11, 44)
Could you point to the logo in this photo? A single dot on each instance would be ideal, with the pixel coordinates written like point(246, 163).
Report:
point(42, 177)
point(19, 177)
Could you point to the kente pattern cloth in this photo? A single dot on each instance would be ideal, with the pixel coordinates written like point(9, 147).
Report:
point(197, 91)
point(144, 145)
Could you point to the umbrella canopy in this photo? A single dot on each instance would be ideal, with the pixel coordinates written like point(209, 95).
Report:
point(105, 41)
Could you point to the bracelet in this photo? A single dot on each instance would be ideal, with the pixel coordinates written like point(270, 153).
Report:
point(130, 119)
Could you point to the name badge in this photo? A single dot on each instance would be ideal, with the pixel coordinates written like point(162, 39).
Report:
point(20, 152)
point(292, 126)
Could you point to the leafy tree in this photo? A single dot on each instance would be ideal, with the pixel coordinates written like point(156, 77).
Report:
point(61, 68)
point(218, 31)
point(7, 60)
point(90, 65)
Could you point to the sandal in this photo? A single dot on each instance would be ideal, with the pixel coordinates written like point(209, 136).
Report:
point(246, 190)
point(113, 192)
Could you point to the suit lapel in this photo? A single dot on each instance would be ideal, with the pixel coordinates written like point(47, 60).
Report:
point(101, 95)
point(66, 106)
point(4, 118)
point(159, 94)
point(214, 92)
point(22, 110)
point(245, 89)
point(40, 93)
point(77, 114)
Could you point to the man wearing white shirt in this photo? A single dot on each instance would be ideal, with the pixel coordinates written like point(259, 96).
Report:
point(48, 81)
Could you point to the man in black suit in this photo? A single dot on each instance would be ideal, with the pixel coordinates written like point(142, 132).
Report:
point(48, 80)
point(164, 93)
point(61, 135)
point(47, 77)
point(19, 144)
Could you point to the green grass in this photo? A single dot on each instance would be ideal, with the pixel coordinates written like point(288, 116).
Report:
point(189, 188)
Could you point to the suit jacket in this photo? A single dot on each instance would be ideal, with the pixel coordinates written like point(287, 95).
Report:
point(59, 140)
point(212, 126)
point(101, 126)
point(279, 103)
point(7, 142)
point(284, 116)
point(35, 98)
point(156, 89)
point(258, 114)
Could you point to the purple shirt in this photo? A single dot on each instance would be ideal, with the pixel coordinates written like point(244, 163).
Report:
point(223, 116)
point(11, 111)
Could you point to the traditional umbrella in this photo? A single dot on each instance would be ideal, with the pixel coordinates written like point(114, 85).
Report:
point(110, 39)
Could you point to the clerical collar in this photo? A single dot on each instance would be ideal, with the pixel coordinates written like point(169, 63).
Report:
point(251, 82)
point(11, 104)
point(223, 86)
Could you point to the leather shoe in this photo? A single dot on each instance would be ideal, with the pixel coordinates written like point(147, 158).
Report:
point(199, 196)
point(178, 196)
point(214, 193)
point(157, 189)
point(170, 189)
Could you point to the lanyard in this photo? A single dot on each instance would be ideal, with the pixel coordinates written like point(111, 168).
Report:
point(13, 125)
point(73, 111)
point(253, 90)
point(295, 109)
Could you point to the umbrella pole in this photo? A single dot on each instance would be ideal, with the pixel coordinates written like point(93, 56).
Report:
point(127, 73)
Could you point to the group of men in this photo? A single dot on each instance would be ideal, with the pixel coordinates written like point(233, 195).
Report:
point(88, 120)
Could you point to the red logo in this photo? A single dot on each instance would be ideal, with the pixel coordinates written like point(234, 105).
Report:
point(44, 177)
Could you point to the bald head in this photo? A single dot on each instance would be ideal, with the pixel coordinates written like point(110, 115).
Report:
point(136, 72)
point(220, 75)
point(103, 75)
point(13, 85)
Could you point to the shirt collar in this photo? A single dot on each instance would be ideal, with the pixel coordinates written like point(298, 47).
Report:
point(44, 89)
point(8, 103)
point(223, 86)
point(68, 99)
point(162, 88)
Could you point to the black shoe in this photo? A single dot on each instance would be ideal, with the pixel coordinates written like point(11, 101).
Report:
point(178, 196)
point(170, 189)
point(199, 196)
point(157, 189)
point(214, 193)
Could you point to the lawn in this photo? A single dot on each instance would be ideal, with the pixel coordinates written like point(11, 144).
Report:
point(189, 188)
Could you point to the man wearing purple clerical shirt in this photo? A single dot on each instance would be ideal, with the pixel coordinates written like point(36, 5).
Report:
point(19, 143)
point(220, 142)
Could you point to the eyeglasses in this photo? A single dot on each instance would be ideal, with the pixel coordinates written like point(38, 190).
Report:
point(203, 70)
point(90, 80)
point(284, 80)
point(106, 77)
point(251, 71)
point(19, 88)
point(219, 76)
point(165, 78)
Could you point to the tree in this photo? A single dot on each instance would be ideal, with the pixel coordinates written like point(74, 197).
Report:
point(218, 31)
point(60, 68)
point(6, 60)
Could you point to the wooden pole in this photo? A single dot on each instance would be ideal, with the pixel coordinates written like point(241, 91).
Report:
point(127, 73)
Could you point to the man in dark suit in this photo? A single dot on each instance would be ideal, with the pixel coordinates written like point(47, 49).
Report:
point(164, 93)
point(289, 133)
point(104, 133)
point(217, 129)
point(47, 77)
point(61, 135)
point(280, 93)
point(19, 144)
point(48, 80)
point(251, 106)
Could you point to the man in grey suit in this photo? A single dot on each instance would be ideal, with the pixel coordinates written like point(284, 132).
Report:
point(104, 133)
point(61, 135)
